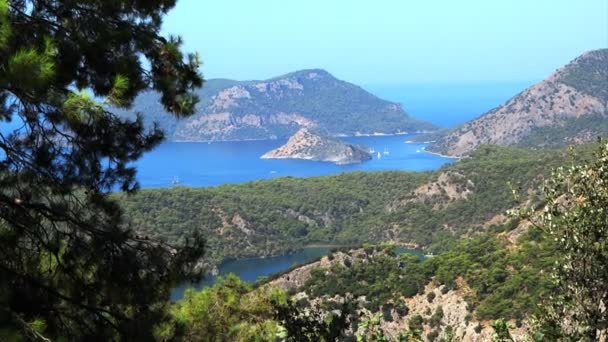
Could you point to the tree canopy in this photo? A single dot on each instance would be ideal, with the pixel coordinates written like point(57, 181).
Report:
point(575, 218)
point(69, 264)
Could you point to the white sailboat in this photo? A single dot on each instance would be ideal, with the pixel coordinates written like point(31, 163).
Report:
point(386, 151)
point(175, 180)
point(379, 155)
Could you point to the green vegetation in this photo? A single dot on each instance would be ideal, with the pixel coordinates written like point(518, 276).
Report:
point(376, 273)
point(506, 282)
point(275, 216)
point(575, 218)
point(70, 269)
point(228, 311)
point(337, 107)
point(583, 129)
point(590, 74)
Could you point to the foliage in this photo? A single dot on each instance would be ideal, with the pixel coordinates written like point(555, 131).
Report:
point(590, 74)
point(313, 324)
point(506, 282)
point(501, 331)
point(575, 218)
point(586, 128)
point(381, 276)
point(69, 265)
point(370, 330)
point(283, 214)
point(229, 310)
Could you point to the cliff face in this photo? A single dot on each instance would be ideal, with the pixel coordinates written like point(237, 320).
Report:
point(307, 145)
point(277, 108)
point(569, 107)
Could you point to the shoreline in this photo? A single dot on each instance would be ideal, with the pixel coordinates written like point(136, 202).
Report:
point(274, 139)
point(440, 155)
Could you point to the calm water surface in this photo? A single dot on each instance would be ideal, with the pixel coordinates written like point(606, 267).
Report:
point(202, 164)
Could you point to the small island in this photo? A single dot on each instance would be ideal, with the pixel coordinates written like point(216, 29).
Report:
point(311, 146)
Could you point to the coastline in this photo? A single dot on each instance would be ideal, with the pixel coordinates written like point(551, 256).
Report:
point(375, 134)
point(440, 155)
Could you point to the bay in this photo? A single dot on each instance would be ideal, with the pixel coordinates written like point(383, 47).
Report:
point(201, 164)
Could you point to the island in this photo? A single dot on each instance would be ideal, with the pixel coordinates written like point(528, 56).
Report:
point(311, 146)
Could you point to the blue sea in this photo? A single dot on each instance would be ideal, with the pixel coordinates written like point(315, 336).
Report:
point(203, 164)
point(446, 105)
point(449, 104)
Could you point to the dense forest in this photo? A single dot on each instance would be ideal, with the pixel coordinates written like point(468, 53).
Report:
point(275, 216)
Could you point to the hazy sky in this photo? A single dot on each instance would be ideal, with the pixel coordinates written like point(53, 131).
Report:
point(390, 41)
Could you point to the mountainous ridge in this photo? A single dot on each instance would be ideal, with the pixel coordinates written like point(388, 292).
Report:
point(569, 107)
point(277, 108)
point(310, 146)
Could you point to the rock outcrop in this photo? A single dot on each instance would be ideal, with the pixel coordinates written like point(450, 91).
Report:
point(277, 108)
point(310, 146)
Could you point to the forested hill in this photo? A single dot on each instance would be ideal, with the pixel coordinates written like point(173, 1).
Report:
point(272, 216)
point(278, 107)
point(569, 107)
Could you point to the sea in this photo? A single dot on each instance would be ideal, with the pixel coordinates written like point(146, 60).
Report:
point(201, 164)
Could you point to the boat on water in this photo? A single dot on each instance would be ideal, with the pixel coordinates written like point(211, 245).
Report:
point(372, 150)
point(417, 151)
point(386, 151)
point(175, 181)
point(379, 155)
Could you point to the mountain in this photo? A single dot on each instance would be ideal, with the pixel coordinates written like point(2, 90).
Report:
point(308, 145)
point(569, 107)
point(277, 108)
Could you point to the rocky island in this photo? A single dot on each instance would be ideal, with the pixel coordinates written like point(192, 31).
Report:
point(311, 146)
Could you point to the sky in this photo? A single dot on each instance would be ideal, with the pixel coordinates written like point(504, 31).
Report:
point(390, 41)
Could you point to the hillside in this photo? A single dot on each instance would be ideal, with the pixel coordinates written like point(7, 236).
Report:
point(277, 108)
point(274, 216)
point(458, 292)
point(569, 107)
point(310, 146)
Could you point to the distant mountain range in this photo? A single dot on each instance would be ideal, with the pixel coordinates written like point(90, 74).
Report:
point(569, 107)
point(279, 107)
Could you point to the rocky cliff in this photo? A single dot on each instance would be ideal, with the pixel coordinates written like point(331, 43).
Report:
point(277, 108)
point(310, 146)
point(569, 107)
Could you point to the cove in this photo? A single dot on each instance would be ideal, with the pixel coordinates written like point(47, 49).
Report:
point(251, 269)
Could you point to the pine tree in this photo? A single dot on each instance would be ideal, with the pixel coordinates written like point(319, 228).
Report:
point(70, 266)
